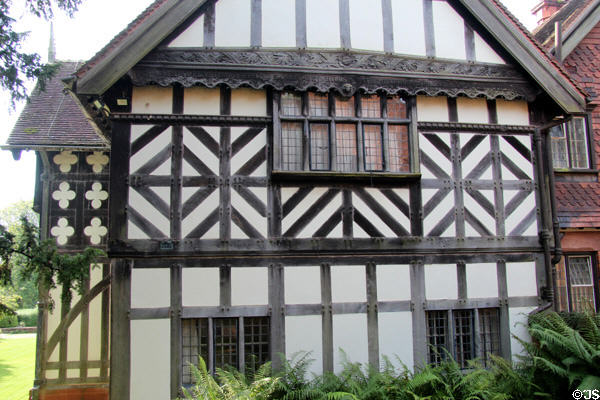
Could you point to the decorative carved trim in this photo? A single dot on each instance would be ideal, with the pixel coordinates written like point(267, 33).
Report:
point(325, 70)
point(171, 119)
point(478, 128)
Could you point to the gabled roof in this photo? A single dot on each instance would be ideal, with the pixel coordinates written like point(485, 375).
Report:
point(578, 18)
point(578, 204)
point(52, 118)
point(163, 17)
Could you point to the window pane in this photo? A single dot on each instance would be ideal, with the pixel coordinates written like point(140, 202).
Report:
point(578, 143)
point(291, 146)
point(581, 282)
point(194, 344)
point(345, 139)
point(318, 105)
point(559, 148)
point(396, 107)
point(489, 332)
point(291, 104)
point(225, 342)
point(344, 107)
point(370, 106)
point(256, 342)
point(398, 148)
point(437, 331)
point(319, 146)
point(561, 286)
point(373, 148)
point(463, 336)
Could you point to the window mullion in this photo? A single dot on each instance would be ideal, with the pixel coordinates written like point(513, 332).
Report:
point(568, 284)
point(450, 335)
point(277, 132)
point(241, 346)
point(386, 147)
point(332, 135)
point(476, 336)
point(210, 363)
point(360, 134)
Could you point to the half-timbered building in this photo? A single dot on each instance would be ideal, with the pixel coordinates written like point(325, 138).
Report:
point(318, 175)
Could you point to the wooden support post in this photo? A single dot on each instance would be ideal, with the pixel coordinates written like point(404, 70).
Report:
point(372, 318)
point(277, 306)
point(327, 313)
point(419, 324)
point(120, 344)
point(175, 311)
point(505, 350)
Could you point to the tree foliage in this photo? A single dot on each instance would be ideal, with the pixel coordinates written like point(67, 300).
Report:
point(16, 67)
point(42, 261)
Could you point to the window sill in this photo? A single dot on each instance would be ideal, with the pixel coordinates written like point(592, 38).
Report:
point(343, 177)
point(576, 175)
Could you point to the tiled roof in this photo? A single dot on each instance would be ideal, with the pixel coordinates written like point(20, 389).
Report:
point(52, 117)
point(578, 204)
point(568, 14)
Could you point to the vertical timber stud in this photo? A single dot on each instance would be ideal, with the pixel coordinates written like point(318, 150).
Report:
point(416, 209)
point(256, 23)
point(461, 276)
point(225, 286)
point(119, 175)
point(345, 24)
point(84, 336)
point(417, 294)
point(301, 24)
point(120, 345)
point(505, 350)
point(209, 26)
point(429, 32)
point(327, 313)
point(63, 349)
point(104, 326)
point(469, 43)
point(273, 163)
point(372, 320)
point(176, 308)
point(277, 306)
point(176, 165)
point(496, 171)
point(459, 200)
point(225, 168)
point(388, 26)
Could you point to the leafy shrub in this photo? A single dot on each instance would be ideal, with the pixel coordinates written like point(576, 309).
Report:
point(27, 316)
point(8, 318)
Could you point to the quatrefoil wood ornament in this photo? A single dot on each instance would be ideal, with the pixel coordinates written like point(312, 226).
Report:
point(97, 160)
point(63, 195)
point(64, 160)
point(96, 195)
point(62, 231)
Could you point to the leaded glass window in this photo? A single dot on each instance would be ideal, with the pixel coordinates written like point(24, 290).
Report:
point(575, 284)
point(570, 148)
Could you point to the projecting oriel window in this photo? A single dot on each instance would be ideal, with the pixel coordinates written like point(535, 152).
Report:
point(570, 146)
point(329, 132)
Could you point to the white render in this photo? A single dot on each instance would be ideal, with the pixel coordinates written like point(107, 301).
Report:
point(150, 359)
point(366, 13)
point(193, 36)
point(305, 334)
point(152, 100)
point(472, 110)
point(482, 280)
point(249, 286)
point(484, 53)
point(518, 327)
point(322, 24)
point(200, 287)
point(432, 109)
point(409, 28)
point(278, 23)
point(395, 338)
point(449, 32)
point(514, 112)
point(202, 101)
point(232, 23)
point(348, 284)
point(521, 279)
point(349, 336)
point(302, 285)
point(441, 282)
point(95, 317)
point(249, 102)
point(150, 288)
point(393, 282)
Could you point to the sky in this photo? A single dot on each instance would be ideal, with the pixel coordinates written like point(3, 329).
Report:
point(79, 38)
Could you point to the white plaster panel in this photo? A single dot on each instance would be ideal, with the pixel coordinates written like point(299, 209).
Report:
point(366, 14)
point(145, 208)
point(319, 219)
point(249, 102)
point(434, 109)
point(302, 285)
point(197, 148)
point(150, 288)
point(304, 334)
point(278, 23)
point(95, 316)
point(518, 327)
point(513, 155)
point(73, 373)
point(52, 374)
point(257, 144)
point(393, 282)
point(140, 158)
point(443, 207)
point(479, 153)
point(348, 284)
point(360, 206)
point(201, 101)
point(482, 280)
point(54, 317)
point(193, 36)
point(521, 279)
point(472, 110)
point(323, 23)
point(232, 23)
point(480, 214)
point(409, 27)
point(515, 112)
point(200, 287)
point(350, 336)
point(394, 211)
point(150, 359)
point(152, 100)
point(93, 372)
point(441, 282)
point(514, 219)
point(249, 213)
point(133, 232)
point(449, 32)
point(74, 338)
point(396, 338)
point(435, 154)
point(484, 53)
point(249, 286)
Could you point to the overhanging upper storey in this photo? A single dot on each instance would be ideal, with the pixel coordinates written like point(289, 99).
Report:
point(455, 47)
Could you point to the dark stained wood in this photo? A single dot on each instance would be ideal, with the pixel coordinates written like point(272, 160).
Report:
point(277, 305)
point(388, 26)
point(301, 24)
point(429, 31)
point(345, 24)
point(327, 318)
point(372, 311)
point(119, 172)
point(120, 344)
point(256, 23)
point(176, 287)
point(209, 25)
point(469, 43)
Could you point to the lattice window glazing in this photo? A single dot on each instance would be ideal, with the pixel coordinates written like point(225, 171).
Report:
point(398, 145)
point(463, 336)
point(291, 104)
point(344, 107)
point(437, 336)
point(291, 146)
point(489, 334)
point(346, 156)
point(561, 286)
point(194, 345)
point(318, 104)
point(396, 108)
point(570, 147)
point(373, 148)
point(225, 342)
point(256, 342)
point(581, 283)
point(370, 106)
point(319, 147)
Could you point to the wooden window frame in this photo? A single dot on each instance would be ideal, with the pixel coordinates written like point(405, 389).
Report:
point(595, 282)
point(567, 137)
point(333, 173)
